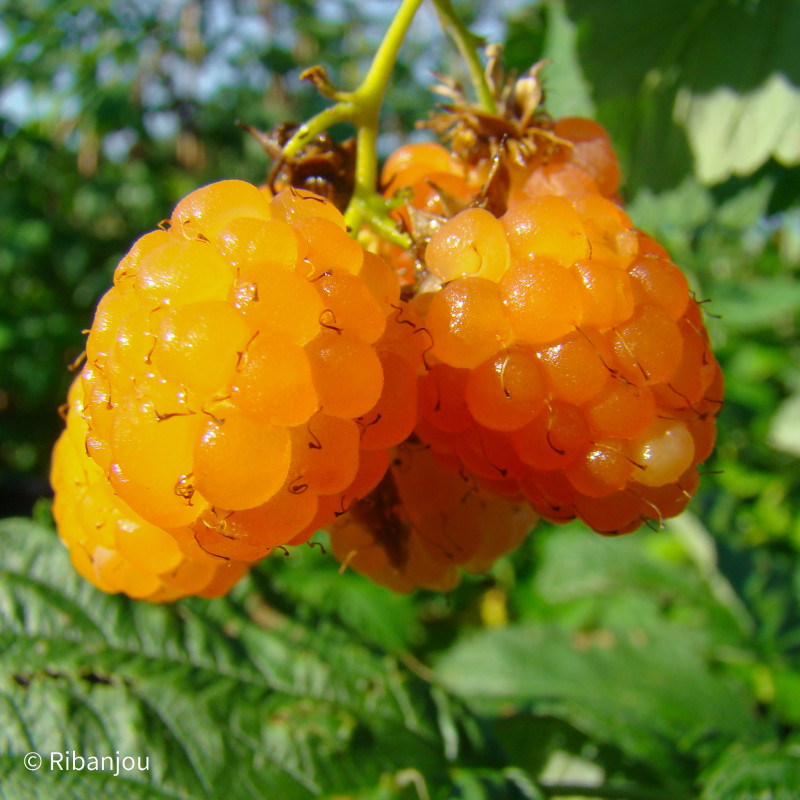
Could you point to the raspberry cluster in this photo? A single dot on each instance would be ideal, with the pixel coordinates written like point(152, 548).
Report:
point(422, 523)
point(245, 377)
point(569, 363)
point(254, 375)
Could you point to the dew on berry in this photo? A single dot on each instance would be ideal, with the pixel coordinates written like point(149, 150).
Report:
point(198, 346)
point(350, 305)
point(606, 296)
point(609, 229)
point(471, 243)
point(542, 299)
point(664, 451)
point(209, 209)
point(147, 547)
point(657, 281)
point(391, 420)
point(127, 268)
point(325, 454)
point(379, 278)
point(182, 272)
point(506, 391)
point(326, 247)
point(467, 322)
point(275, 522)
point(150, 453)
point(245, 240)
point(413, 161)
point(620, 409)
point(135, 340)
point(273, 381)
point(293, 205)
point(563, 179)
point(441, 194)
point(347, 373)
point(275, 300)
point(603, 469)
point(240, 462)
point(211, 534)
point(649, 346)
point(555, 438)
point(573, 369)
point(113, 308)
point(546, 227)
point(591, 150)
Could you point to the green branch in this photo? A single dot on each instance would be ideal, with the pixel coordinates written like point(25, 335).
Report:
point(467, 43)
point(361, 108)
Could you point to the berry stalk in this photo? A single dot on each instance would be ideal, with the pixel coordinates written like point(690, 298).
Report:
point(467, 44)
point(361, 108)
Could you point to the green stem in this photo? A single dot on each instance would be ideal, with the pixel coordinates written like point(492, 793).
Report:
point(467, 44)
point(369, 96)
point(366, 204)
point(341, 112)
point(361, 108)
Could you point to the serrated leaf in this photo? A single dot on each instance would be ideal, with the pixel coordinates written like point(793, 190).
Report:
point(219, 705)
point(653, 697)
point(734, 133)
point(766, 772)
point(717, 78)
point(313, 580)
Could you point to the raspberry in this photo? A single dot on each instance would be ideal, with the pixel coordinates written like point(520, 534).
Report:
point(110, 544)
point(254, 374)
point(546, 228)
point(568, 363)
point(591, 151)
point(248, 360)
point(422, 523)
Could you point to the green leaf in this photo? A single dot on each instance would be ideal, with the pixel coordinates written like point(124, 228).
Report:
point(784, 430)
point(485, 784)
point(758, 304)
point(672, 215)
point(219, 705)
point(652, 696)
point(311, 580)
point(734, 133)
point(567, 92)
point(767, 772)
point(786, 694)
point(726, 72)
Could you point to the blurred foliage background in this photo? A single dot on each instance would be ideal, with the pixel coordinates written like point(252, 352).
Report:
point(662, 665)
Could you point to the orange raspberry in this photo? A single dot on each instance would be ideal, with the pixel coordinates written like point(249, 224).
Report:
point(235, 376)
point(110, 544)
point(423, 522)
point(567, 362)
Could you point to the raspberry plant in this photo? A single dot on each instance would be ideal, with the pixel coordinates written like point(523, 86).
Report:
point(445, 369)
point(252, 367)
